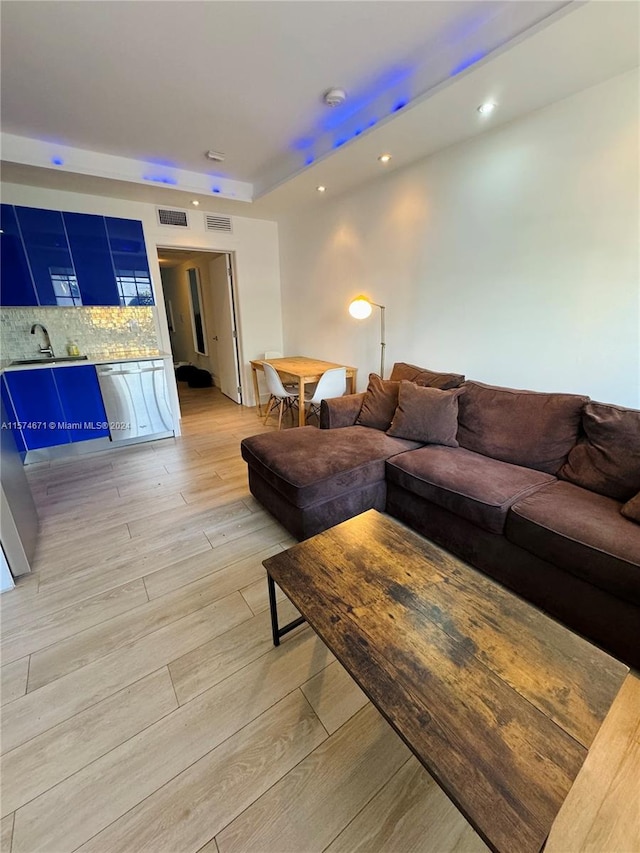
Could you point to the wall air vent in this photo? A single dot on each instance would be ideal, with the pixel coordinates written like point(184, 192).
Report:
point(175, 218)
point(217, 223)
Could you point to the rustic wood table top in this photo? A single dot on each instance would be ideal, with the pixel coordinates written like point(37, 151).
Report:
point(498, 701)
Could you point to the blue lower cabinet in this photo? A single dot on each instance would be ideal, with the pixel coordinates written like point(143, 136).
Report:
point(9, 417)
point(54, 405)
point(81, 402)
point(37, 407)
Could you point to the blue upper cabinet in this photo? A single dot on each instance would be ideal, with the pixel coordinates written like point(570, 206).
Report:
point(72, 259)
point(91, 255)
point(16, 284)
point(130, 263)
point(45, 241)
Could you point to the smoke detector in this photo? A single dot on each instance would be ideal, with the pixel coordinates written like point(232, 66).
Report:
point(216, 156)
point(334, 97)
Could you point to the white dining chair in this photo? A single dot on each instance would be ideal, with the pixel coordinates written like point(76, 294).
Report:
point(289, 386)
point(279, 397)
point(333, 383)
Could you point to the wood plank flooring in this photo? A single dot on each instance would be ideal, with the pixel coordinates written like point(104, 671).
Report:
point(145, 709)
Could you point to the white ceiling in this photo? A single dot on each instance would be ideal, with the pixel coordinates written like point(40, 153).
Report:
point(162, 81)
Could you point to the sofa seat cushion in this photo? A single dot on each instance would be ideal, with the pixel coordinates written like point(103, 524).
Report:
point(307, 465)
point(582, 532)
point(473, 486)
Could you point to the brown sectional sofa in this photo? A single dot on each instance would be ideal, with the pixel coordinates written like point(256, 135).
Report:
point(536, 490)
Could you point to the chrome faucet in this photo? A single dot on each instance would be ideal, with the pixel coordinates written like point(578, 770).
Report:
point(47, 348)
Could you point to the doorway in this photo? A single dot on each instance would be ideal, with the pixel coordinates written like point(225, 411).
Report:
point(200, 302)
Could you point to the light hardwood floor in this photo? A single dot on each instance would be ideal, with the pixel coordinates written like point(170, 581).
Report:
point(145, 709)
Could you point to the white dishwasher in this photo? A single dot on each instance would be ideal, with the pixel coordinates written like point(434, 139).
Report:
point(135, 400)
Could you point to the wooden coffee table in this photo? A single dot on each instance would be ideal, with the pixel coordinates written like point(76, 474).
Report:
point(499, 702)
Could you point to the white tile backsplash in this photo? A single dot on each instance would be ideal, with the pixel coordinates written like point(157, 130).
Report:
point(97, 331)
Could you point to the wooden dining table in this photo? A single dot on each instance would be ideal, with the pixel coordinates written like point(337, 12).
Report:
point(303, 371)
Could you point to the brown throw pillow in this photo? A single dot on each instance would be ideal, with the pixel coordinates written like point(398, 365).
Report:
point(422, 376)
point(607, 459)
point(379, 404)
point(631, 509)
point(428, 415)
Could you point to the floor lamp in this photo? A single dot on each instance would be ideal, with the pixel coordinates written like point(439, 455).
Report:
point(361, 308)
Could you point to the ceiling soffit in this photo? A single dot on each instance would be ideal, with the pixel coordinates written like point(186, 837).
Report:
point(481, 31)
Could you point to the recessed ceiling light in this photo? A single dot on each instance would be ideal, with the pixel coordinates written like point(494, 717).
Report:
point(384, 158)
point(195, 202)
point(321, 189)
point(486, 108)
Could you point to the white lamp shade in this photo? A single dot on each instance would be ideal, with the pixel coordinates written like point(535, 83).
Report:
point(360, 308)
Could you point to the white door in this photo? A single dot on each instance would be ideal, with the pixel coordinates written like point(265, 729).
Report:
point(225, 335)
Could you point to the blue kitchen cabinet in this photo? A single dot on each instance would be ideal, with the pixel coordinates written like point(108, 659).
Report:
point(91, 254)
point(72, 259)
point(55, 405)
point(47, 248)
point(9, 417)
point(81, 401)
point(37, 407)
point(16, 284)
point(129, 255)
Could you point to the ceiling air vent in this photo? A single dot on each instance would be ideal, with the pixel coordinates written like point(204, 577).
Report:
point(217, 223)
point(176, 218)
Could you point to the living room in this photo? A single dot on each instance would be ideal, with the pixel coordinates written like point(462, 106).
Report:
point(503, 246)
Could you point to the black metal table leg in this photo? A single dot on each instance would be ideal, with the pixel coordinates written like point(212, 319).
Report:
point(276, 631)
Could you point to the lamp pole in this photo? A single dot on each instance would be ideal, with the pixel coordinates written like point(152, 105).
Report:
point(382, 340)
point(360, 308)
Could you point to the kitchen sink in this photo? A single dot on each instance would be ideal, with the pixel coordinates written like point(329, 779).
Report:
point(54, 360)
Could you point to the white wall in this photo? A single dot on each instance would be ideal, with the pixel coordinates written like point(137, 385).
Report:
point(512, 258)
point(254, 243)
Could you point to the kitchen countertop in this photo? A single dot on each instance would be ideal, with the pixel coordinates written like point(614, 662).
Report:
point(131, 355)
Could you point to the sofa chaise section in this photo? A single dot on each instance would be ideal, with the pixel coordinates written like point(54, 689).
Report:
point(312, 479)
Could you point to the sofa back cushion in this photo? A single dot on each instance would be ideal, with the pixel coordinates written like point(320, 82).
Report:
point(606, 460)
point(428, 415)
point(379, 404)
point(422, 376)
point(528, 428)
